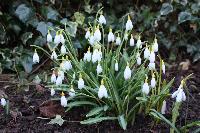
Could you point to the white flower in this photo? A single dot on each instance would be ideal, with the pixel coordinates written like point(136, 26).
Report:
point(62, 74)
point(36, 57)
point(164, 106)
point(152, 66)
point(127, 72)
point(52, 92)
point(163, 67)
point(179, 94)
point(63, 50)
point(87, 35)
point(129, 24)
point(132, 42)
point(81, 82)
point(118, 40)
point(53, 78)
point(59, 80)
point(102, 91)
point(155, 45)
point(97, 35)
point(3, 102)
point(111, 37)
point(63, 100)
point(67, 65)
point(145, 88)
point(153, 82)
point(54, 55)
point(49, 37)
point(72, 92)
point(62, 39)
point(146, 53)
point(99, 68)
point(96, 56)
point(87, 56)
point(139, 60)
point(139, 43)
point(125, 36)
point(91, 40)
point(116, 66)
point(102, 19)
point(152, 57)
point(57, 39)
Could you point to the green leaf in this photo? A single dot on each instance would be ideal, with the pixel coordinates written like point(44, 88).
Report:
point(166, 9)
point(43, 27)
point(96, 111)
point(52, 14)
point(192, 124)
point(72, 28)
point(165, 120)
point(141, 99)
point(184, 16)
point(27, 63)
point(58, 120)
point(40, 41)
point(24, 13)
point(122, 121)
point(80, 103)
point(96, 120)
point(79, 17)
point(26, 36)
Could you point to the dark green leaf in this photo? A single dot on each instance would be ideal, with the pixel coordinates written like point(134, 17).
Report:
point(43, 27)
point(26, 36)
point(166, 8)
point(24, 13)
point(184, 16)
point(96, 120)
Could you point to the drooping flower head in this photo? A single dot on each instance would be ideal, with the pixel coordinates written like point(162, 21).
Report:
point(111, 37)
point(72, 91)
point(102, 19)
point(153, 81)
point(81, 84)
point(139, 42)
point(179, 94)
point(132, 41)
point(57, 38)
point(155, 45)
point(139, 60)
point(129, 24)
point(53, 77)
point(163, 66)
point(63, 50)
point(127, 72)
point(146, 52)
point(116, 66)
point(145, 87)
point(88, 55)
point(35, 57)
point(102, 91)
point(49, 37)
point(97, 34)
point(87, 35)
point(63, 100)
point(3, 102)
point(99, 68)
point(118, 40)
point(54, 56)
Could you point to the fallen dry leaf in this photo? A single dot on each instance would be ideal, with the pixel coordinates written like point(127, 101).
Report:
point(39, 88)
point(51, 108)
point(185, 65)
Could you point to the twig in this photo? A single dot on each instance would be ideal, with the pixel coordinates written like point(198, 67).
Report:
point(39, 66)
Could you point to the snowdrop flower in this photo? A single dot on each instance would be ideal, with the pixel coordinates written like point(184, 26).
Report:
point(164, 106)
point(57, 38)
point(80, 82)
point(62, 39)
point(139, 43)
point(179, 94)
point(72, 92)
point(102, 19)
point(62, 74)
point(146, 53)
point(63, 50)
point(102, 91)
point(52, 92)
point(125, 36)
point(3, 102)
point(129, 24)
point(152, 66)
point(118, 40)
point(132, 42)
point(155, 45)
point(96, 56)
point(36, 57)
point(152, 57)
point(54, 55)
point(92, 40)
point(87, 35)
point(145, 87)
point(53, 77)
point(59, 80)
point(63, 100)
point(116, 66)
point(49, 37)
point(111, 37)
point(127, 72)
point(153, 81)
point(99, 68)
point(87, 56)
point(97, 34)
point(139, 60)
point(163, 66)
point(67, 64)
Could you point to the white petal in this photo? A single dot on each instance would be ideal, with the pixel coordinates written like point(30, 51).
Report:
point(164, 106)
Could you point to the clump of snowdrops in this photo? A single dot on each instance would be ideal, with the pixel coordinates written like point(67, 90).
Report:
point(117, 78)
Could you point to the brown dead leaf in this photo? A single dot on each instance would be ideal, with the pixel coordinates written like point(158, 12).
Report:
point(185, 65)
point(39, 88)
point(51, 108)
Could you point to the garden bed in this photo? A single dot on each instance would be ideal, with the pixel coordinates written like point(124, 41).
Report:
point(26, 107)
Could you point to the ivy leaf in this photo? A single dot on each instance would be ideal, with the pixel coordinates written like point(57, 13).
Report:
point(24, 13)
point(72, 28)
point(27, 63)
point(43, 27)
point(79, 17)
point(26, 36)
point(40, 41)
point(166, 9)
point(52, 14)
point(184, 16)
point(58, 120)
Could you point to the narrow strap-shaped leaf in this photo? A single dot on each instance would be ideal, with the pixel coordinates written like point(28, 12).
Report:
point(95, 111)
point(79, 103)
point(96, 120)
